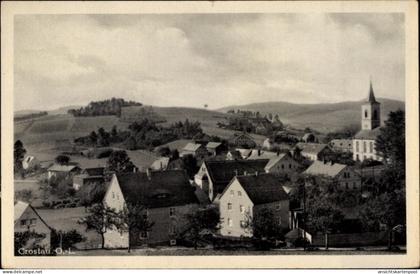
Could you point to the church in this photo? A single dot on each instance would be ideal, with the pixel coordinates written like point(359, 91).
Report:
point(364, 140)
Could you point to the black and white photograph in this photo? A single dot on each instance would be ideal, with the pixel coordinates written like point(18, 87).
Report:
point(209, 134)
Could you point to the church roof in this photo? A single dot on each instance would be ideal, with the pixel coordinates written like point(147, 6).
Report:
point(368, 134)
point(371, 98)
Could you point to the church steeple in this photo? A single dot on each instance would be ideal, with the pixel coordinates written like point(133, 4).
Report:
point(371, 98)
point(371, 111)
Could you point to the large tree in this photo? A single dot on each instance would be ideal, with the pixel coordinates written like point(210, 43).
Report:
point(19, 154)
point(390, 144)
point(101, 219)
point(204, 219)
point(119, 162)
point(62, 159)
point(264, 225)
point(134, 220)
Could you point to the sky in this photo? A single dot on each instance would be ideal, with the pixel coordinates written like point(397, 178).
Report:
point(214, 59)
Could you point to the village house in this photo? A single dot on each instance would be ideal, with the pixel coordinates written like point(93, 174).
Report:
point(57, 170)
point(214, 148)
point(278, 164)
point(245, 196)
point(344, 175)
point(160, 164)
point(364, 140)
point(214, 176)
point(197, 150)
point(341, 145)
point(27, 219)
point(167, 197)
point(30, 162)
point(313, 151)
point(242, 140)
point(309, 138)
point(233, 154)
point(89, 175)
point(268, 144)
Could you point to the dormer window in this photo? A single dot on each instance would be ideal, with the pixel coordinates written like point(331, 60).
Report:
point(366, 114)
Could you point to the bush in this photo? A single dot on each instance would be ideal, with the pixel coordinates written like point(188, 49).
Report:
point(68, 238)
point(300, 242)
point(46, 204)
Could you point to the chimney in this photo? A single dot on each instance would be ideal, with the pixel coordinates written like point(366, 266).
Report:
point(256, 173)
point(149, 173)
point(236, 172)
point(332, 162)
point(278, 152)
point(259, 152)
point(134, 169)
point(245, 173)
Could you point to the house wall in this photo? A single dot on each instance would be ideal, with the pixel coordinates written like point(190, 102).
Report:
point(165, 227)
point(37, 226)
point(114, 198)
point(285, 166)
point(365, 149)
point(348, 179)
point(280, 210)
point(234, 214)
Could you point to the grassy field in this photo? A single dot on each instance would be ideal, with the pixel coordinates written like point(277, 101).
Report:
point(66, 219)
point(141, 158)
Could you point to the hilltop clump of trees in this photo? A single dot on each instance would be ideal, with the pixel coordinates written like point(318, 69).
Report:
point(144, 134)
point(106, 107)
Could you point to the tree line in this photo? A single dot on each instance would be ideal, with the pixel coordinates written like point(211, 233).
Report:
point(106, 107)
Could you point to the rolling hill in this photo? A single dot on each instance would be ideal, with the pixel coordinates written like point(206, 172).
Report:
point(322, 117)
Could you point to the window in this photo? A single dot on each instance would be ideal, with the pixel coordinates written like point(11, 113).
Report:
point(232, 192)
point(354, 185)
point(144, 235)
point(113, 195)
point(347, 185)
point(32, 221)
point(241, 209)
point(229, 206)
point(290, 165)
point(371, 147)
point(22, 222)
point(357, 146)
point(172, 211)
point(230, 223)
point(239, 193)
point(364, 146)
point(366, 114)
point(282, 166)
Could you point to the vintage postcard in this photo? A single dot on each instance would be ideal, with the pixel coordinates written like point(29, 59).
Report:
point(210, 134)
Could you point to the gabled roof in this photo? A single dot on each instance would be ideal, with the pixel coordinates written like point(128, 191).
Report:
point(95, 171)
point(191, 147)
point(62, 168)
point(213, 144)
point(261, 154)
point(274, 160)
point(19, 208)
point(368, 134)
point(327, 169)
point(161, 189)
point(244, 152)
point(222, 172)
point(262, 188)
point(311, 148)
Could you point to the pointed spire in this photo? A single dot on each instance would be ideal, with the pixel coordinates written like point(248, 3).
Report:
point(371, 98)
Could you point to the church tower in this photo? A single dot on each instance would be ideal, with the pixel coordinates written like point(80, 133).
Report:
point(371, 112)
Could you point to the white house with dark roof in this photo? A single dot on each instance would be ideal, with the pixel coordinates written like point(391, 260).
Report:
point(364, 140)
point(26, 218)
point(313, 151)
point(62, 170)
point(160, 164)
point(167, 197)
point(343, 175)
point(245, 196)
point(278, 163)
point(197, 150)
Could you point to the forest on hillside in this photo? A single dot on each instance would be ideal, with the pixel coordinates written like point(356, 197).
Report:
point(106, 107)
